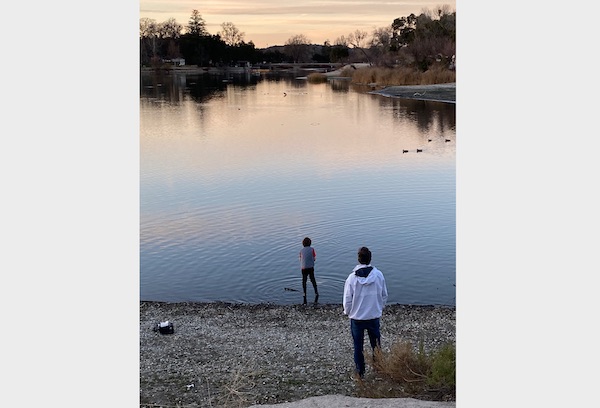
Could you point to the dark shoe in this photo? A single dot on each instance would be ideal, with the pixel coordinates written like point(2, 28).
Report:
point(304, 300)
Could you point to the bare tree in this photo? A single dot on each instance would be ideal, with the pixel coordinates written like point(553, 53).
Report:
point(445, 10)
point(382, 37)
point(148, 27)
point(380, 46)
point(357, 39)
point(169, 29)
point(231, 35)
point(438, 12)
point(149, 31)
point(297, 47)
point(298, 39)
point(343, 41)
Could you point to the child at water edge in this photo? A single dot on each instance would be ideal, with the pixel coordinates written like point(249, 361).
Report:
point(307, 265)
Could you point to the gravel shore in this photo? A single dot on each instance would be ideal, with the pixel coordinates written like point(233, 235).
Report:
point(238, 355)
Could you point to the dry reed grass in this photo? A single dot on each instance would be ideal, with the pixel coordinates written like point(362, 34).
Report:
point(403, 76)
point(347, 72)
point(316, 78)
point(405, 372)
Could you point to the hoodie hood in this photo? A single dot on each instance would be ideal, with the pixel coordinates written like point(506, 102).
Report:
point(363, 274)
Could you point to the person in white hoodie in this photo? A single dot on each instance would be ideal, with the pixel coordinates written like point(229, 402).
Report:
point(365, 295)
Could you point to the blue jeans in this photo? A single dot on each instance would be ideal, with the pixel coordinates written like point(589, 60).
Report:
point(358, 328)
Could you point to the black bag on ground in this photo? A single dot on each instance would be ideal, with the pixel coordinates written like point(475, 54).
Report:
point(165, 327)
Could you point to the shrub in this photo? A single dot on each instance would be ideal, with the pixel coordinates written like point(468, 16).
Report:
point(406, 370)
point(443, 368)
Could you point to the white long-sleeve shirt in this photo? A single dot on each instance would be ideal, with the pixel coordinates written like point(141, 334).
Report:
point(365, 297)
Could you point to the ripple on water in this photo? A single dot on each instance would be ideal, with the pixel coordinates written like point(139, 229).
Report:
point(224, 208)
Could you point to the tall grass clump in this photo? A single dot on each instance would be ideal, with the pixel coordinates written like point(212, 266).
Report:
point(347, 72)
point(408, 371)
point(364, 76)
point(437, 74)
point(403, 76)
point(316, 78)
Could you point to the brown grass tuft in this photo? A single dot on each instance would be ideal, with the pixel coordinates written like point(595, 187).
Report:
point(316, 78)
point(403, 76)
point(437, 74)
point(403, 366)
point(347, 72)
point(237, 392)
point(405, 371)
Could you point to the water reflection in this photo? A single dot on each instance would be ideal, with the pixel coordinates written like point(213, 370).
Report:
point(203, 87)
point(200, 87)
point(340, 85)
point(236, 170)
point(426, 114)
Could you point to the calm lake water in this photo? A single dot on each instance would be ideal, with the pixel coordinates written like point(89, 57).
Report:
point(236, 171)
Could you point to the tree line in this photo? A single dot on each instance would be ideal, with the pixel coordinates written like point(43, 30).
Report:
point(412, 41)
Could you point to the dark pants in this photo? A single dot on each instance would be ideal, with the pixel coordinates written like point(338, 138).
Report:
point(309, 273)
point(358, 328)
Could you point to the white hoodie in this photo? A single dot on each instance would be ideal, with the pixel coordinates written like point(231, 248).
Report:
point(364, 298)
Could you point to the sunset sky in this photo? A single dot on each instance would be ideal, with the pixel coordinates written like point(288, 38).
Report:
point(272, 22)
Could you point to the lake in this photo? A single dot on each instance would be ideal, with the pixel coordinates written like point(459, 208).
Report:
point(236, 170)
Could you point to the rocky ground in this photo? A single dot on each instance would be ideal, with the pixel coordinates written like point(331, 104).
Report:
point(237, 355)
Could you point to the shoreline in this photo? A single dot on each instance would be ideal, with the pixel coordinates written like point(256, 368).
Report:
point(437, 93)
point(228, 354)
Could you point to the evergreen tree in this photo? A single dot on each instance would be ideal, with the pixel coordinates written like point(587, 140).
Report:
point(196, 26)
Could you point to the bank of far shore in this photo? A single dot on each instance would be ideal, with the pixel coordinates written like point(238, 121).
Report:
point(436, 92)
point(239, 355)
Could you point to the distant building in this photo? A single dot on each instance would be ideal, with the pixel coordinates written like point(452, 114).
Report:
point(177, 62)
